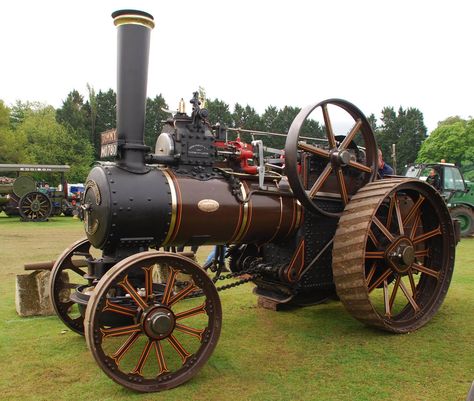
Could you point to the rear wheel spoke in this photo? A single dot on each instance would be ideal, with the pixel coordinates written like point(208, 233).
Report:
point(426, 270)
point(409, 297)
point(384, 230)
point(429, 234)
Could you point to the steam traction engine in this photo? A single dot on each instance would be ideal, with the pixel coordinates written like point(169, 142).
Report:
point(322, 226)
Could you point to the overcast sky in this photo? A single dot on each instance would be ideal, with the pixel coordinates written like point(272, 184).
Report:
point(372, 53)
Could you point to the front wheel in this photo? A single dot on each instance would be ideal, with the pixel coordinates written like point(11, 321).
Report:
point(153, 321)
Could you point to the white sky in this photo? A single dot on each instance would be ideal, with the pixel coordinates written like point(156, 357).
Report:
point(372, 53)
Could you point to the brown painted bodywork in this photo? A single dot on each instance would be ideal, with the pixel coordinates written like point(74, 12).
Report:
point(262, 219)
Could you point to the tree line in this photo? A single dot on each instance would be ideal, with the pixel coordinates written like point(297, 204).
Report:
point(35, 133)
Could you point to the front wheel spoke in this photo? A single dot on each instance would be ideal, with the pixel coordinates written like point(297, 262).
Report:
point(160, 358)
point(178, 348)
point(342, 186)
point(190, 330)
point(137, 370)
point(429, 234)
point(69, 286)
point(329, 130)
point(350, 136)
point(313, 149)
point(426, 270)
point(191, 312)
point(320, 181)
point(409, 297)
point(384, 229)
point(360, 166)
point(180, 295)
point(125, 347)
point(148, 281)
point(169, 286)
point(414, 209)
point(127, 286)
point(120, 331)
point(379, 281)
point(77, 270)
point(116, 308)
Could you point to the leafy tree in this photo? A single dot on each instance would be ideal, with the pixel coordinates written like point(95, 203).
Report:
point(452, 140)
point(49, 142)
point(74, 116)
point(92, 111)
point(219, 112)
point(154, 119)
point(4, 115)
point(373, 122)
point(106, 117)
point(12, 144)
point(406, 129)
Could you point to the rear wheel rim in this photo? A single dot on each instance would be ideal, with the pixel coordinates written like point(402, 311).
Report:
point(402, 268)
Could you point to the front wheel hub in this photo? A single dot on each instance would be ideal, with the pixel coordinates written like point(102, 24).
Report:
point(158, 323)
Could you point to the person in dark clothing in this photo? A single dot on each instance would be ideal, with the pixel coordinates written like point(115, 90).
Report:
point(384, 168)
point(434, 179)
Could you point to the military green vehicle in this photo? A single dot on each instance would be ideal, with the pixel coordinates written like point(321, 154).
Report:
point(458, 193)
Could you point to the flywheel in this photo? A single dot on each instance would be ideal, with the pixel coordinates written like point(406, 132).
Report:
point(393, 254)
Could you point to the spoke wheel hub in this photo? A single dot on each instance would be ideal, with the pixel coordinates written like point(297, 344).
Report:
point(35, 206)
point(400, 255)
point(158, 322)
point(340, 158)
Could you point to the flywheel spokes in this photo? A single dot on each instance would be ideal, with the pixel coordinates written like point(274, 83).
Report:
point(399, 265)
point(325, 169)
point(146, 325)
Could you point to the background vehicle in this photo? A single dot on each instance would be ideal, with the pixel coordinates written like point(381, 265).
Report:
point(458, 193)
point(33, 201)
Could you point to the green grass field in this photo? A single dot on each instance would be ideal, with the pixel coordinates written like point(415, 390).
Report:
point(313, 353)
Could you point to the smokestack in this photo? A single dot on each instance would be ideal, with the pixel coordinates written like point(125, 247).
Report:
point(133, 45)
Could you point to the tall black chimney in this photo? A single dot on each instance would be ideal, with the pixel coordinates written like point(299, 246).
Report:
point(133, 45)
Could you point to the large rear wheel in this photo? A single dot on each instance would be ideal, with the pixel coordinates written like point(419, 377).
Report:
point(393, 254)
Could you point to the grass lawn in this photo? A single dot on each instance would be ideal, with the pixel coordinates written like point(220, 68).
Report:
point(313, 353)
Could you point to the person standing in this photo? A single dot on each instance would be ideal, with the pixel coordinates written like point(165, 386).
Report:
point(384, 168)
